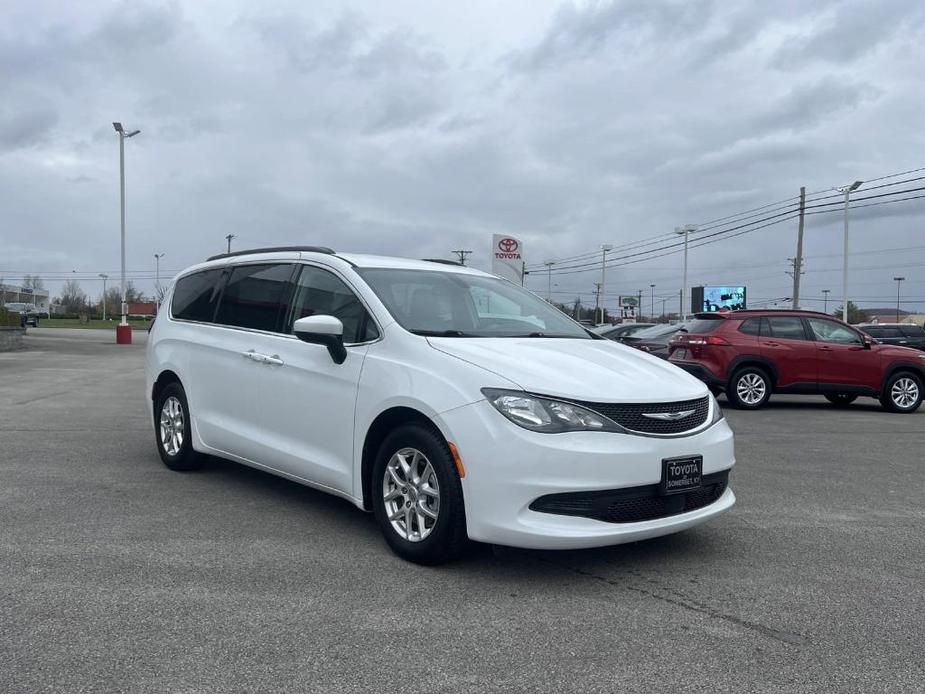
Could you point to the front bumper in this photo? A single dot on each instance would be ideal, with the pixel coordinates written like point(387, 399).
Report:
point(701, 372)
point(508, 468)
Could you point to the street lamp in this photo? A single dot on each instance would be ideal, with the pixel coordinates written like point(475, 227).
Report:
point(604, 248)
point(123, 330)
point(847, 190)
point(825, 300)
point(899, 283)
point(652, 287)
point(105, 277)
point(549, 264)
point(685, 231)
point(157, 278)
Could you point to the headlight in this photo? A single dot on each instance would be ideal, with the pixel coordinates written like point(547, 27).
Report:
point(546, 415)
point(717, 412)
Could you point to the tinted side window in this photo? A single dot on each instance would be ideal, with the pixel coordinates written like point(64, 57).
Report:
point(321, 293)
point(884, 332)
point(787, 327)
point(194, 296)
point(255, 297)
point(912, 331)
point(752, 326)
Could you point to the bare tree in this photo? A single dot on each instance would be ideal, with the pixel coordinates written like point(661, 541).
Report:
point(73, 298)
point(33, 282)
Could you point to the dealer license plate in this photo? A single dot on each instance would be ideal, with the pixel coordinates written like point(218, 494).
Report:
point(681, 475)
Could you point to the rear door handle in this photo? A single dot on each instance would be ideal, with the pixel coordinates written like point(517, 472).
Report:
point(772, 344)
point(273, 360)
point(252, 355)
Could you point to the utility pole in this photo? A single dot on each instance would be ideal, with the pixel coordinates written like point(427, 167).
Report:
point(899, 282)
point(462, 256)
point(663, 310)
point(597, 294)
point(681, 312)
point(652, 287)
point(604, 248)
point(825, 300)
point(639, 306)
point(798, 260)
point(229, 237)
point(549, 265)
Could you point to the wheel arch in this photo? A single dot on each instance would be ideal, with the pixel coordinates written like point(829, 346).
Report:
point(898, 366)
point(385, 422)
point(163, 379)
point(755, 360)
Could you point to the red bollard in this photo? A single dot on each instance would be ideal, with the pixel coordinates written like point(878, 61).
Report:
point(123, 334)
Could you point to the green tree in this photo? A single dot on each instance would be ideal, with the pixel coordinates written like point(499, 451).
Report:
point(855, 315)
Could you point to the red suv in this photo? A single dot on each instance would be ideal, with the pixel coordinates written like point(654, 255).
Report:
point(751, 354)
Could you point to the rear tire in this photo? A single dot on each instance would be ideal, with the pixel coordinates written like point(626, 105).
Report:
point(902, 393)
point(417, 496)
point(173, 430)
point(841, 399)
point(749, 388)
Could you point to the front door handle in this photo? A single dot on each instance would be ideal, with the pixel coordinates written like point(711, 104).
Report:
point(273, 360)
point(252, 355)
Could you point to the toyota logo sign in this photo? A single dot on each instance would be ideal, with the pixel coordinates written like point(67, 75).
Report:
point(508, 245)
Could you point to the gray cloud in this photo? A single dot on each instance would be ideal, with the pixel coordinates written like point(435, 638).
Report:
point(372, 127)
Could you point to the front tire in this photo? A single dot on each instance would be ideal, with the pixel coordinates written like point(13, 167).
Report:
point(841, 399)
point(749, 388)
point(417, 496)
point(173, 430)
point(902, 393)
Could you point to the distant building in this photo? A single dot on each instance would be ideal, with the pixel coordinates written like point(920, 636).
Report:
point(143, 309)
point(13, 293)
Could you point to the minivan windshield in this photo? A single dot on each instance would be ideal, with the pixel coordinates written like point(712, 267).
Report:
point(455, 304)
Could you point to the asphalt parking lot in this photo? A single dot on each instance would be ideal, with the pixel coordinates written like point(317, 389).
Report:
point(119, 575)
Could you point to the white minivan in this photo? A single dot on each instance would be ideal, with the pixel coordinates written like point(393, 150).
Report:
point(454, 405)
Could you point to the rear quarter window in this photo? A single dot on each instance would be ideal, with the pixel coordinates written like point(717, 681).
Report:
point(194, 296)
point(751, 326)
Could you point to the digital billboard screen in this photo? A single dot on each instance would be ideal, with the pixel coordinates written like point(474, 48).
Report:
point(718, 298)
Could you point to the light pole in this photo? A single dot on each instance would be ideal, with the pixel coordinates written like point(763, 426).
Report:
point(604, 248)
point(825, 300)
point(652, 287)
point(685, 231)
point(123, 331)
point(549, 265)
point(105, 277)
point(847, 191)
point(157, 278)
point(899, 283)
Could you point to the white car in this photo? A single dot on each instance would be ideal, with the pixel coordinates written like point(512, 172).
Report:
point(452, 404)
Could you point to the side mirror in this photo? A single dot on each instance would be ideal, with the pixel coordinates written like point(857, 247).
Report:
point(869, 342)
point(323, 330)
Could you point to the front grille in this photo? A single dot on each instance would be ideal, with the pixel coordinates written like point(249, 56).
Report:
point(633, 504)
point(630, 416)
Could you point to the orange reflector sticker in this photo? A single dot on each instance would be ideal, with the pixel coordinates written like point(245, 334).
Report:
point(456, 459)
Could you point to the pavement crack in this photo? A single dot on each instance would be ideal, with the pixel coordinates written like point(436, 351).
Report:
point(678, 599)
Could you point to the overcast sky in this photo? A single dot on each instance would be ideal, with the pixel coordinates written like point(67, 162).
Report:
point(415, 128)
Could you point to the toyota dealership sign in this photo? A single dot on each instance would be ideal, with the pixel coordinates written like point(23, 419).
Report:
point(507, 259)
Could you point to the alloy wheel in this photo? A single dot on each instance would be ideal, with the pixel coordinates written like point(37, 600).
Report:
point(173, 426)
point(751, 388)
point(411, 494)
point(905, 393)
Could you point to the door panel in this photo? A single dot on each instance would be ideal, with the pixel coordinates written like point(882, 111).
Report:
point(783, 340)
point(843, 359)
point(308, 404)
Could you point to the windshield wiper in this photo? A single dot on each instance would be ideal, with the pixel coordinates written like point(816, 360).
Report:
point(538, 334)
point(442, 333)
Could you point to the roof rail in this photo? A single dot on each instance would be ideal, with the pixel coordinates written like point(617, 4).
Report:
point(275, 249)
point(443, 261)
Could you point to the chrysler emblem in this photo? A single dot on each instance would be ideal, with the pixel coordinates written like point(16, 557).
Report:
point(668, 416)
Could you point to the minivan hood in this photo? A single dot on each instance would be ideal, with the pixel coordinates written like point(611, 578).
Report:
point(596, 370)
